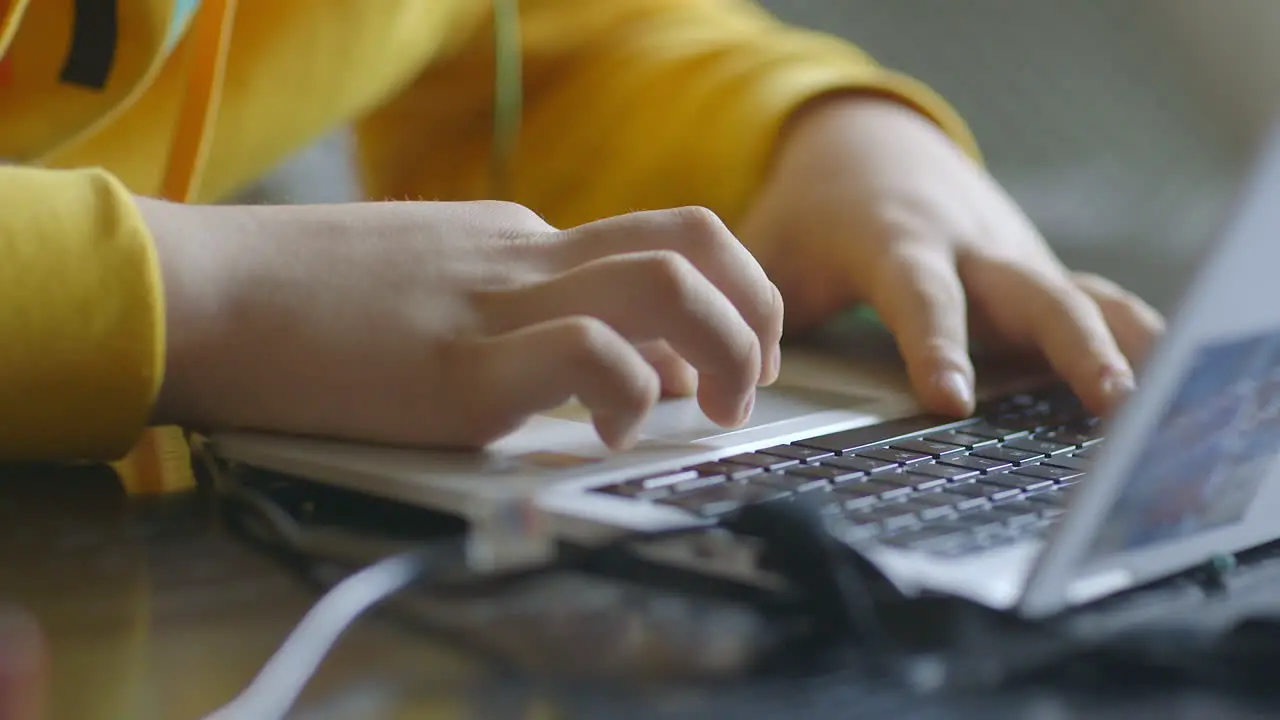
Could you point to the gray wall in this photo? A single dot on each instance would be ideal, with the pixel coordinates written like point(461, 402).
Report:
point(1096, 114)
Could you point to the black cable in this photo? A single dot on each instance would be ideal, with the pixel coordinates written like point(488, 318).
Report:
point(266, 524)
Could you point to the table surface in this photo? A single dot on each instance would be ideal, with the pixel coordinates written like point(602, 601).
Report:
point(150, 608)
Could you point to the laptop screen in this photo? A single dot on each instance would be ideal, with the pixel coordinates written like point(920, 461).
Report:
point(1203, 464)
point(1191, 465)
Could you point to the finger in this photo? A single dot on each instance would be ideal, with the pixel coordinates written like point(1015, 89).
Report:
point(656, 295)
point(700, 236)
point(919, 296)
point(1133, 322)
point(1069, 328)
point(679, 378)
point(537, 368)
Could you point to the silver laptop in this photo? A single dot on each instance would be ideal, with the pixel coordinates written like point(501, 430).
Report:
point(1031, 506)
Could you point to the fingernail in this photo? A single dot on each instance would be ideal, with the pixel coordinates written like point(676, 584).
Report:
point(626, 439)
point(750, 404)
point(1117, 385)
point(957, 386)
point(773, 367)
point(616, 431)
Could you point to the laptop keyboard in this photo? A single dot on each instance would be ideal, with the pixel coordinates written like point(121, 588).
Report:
point(924, 483)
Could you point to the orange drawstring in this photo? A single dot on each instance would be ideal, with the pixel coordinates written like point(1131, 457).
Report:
point(210, 38)
point(12, 18)
point(161, 461)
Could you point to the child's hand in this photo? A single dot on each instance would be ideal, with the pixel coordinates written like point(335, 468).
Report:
point(451, 323)
point(871, 202)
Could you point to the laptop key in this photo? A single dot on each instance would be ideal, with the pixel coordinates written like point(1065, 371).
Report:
point(761, 460)
point(862, 464)
point(1047, 472)
point(1044, 447)
point(975, 462)
point(790, 482)
point(857, 496)
point(1016, 513)
point(1069, 436)
point(727, 469)
point(1088, 453)
point(635, 490)
point(796, 452)
point(931, 448)
point(822, 472)
point(724, 498)
point(892, 517)
point(697, 483)
point(983, 493)
point(901, 457)
point(895, 492)
point(995, 432)
point(970, 504)
point(982, 523)
point(873, 435)
point(664, 479)
point(932, 506)
point(919, 483)
point(1070, 462)
point(946, 472)
point(1050, 504)
point(963, 439)
point(1053, 497)
point(853, 532)
point(1025, 483)
point(1009, 455)
point(931, 539)
point(1023, 422)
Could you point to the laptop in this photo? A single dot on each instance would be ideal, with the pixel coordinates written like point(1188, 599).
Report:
point(1030, 506)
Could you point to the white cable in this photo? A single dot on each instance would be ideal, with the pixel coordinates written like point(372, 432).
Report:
point(277, 686)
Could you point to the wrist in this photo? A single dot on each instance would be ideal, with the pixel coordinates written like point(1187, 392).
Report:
point(196, 276)
point(839, 119)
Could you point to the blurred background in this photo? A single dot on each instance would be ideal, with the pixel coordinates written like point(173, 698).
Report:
point(1123, 126)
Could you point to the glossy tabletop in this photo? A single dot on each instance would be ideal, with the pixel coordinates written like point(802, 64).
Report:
point(116, 607)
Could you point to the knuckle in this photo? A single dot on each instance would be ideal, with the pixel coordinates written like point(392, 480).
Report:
point(1090, 280)
point(1061, 300)
point(1105, 289)
point(593, 350)
point(921, 220)
point(586, 338)
point(669, 273)
point(701, 226)
point(1095, 284)
point(638, 390)
point(519, 216)
point(920, 271)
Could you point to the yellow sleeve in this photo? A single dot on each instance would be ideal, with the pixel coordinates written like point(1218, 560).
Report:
point(629, 105)
point(81, 316)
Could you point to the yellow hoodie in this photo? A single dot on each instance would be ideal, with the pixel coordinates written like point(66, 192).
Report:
point(627, 104)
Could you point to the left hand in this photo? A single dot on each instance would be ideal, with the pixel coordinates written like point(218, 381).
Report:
point(869, 201)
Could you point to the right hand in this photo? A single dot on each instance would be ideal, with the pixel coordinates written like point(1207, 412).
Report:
point(450, 324)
